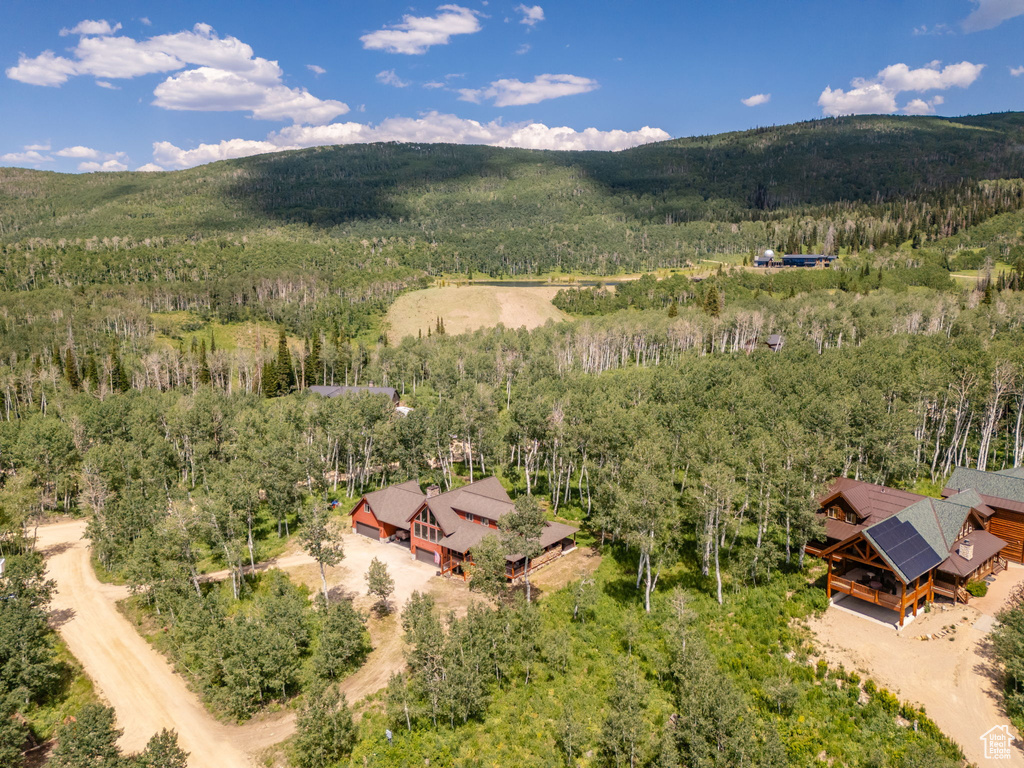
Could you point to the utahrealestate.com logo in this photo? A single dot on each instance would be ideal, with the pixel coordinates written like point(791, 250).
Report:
point(998, 742)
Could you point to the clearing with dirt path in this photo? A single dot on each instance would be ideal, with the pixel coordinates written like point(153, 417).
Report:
point(468, 307)
point(146, 693)
point(953, 677)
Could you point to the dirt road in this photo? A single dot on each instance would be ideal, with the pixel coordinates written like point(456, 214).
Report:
point(131, 676)
point(953, 676)
point(146, 693)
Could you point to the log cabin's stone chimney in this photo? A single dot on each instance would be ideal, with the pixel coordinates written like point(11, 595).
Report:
point(966, 549)
point(433, 490)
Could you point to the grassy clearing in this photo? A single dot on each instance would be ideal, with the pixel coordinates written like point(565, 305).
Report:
point(466, 308)
point(180, 328)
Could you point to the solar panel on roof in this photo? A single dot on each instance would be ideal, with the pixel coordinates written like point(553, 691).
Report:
point(905, 548)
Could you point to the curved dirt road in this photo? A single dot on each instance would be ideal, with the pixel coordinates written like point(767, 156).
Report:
point(131, 676)
point(144, 690)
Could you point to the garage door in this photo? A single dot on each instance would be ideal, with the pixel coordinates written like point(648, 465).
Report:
point(1009, 527)
point(368, 530)
point(425, 556)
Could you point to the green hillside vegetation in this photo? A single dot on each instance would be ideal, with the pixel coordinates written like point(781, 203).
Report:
point(157, 333)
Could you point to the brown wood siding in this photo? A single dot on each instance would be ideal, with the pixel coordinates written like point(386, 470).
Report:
point(1009, 526)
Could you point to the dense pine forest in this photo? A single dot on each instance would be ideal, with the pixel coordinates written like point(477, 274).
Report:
point(158, 333)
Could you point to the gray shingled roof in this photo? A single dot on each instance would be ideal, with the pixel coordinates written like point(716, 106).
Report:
point(999, 485)
point(938, 522)
point(395, 504)
point(486, 498)
point(1017, 472)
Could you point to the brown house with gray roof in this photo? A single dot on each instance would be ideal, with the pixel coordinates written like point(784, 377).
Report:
point(894, 548)
point(443, 528)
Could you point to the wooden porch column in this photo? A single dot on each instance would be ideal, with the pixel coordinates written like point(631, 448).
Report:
point(828, 583)
point(903, 601)
point(917, 584)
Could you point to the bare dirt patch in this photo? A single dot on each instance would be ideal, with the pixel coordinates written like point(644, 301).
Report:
point(582, 561)
point(466, 308)
point(953, 677)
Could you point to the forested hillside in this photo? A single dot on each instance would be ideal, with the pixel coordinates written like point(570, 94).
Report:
point(158, 333)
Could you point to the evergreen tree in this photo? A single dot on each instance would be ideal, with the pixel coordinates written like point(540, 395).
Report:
point(673, 309)
point(71, 370)
point(712, 300)
point(89, 741)
point(314, 362)
point(283, 365)
point(119, 380)
point(204, 366)
point(14, 732)
point(325, 732)
point(162, 751)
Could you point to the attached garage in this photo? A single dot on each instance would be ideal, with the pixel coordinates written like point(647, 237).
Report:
point(368, 530)
point(1009, 526)
point(425, 556)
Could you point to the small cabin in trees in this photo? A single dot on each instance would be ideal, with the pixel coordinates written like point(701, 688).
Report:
point(896, 549)
point(388, 392)
point(443, 528)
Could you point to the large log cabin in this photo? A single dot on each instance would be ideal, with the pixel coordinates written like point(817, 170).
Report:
point(443, 528)
point(1002, 496)
point(896, 549)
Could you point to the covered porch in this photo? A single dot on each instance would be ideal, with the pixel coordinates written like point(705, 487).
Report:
point(855, 569)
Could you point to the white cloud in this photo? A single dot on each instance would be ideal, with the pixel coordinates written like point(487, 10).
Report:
point(44, 69)
point(148, 168)
point(207, 89)
point(532, 14)
point(757, 99)
point(878, 95)
point(922, 107)
point(988, 14)
point(869, 99)
point(1017, 71)
point(524, 48)
point(108, 166)
point(78, 151)
point(227, 75)
point(511, 93)
point(29, 156)
point(416, 34)
point(108, 86)
point(429, 128)
point(38, 147)
point(87, 27)
point(900, 77)
point(316, 69)
point(936, 29)
point(388, 77)
point(144, 20)
point(433, 84)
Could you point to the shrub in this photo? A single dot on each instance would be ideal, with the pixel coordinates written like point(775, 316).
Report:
point(977, 588)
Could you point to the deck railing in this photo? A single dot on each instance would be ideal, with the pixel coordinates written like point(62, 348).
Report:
point(852, 588)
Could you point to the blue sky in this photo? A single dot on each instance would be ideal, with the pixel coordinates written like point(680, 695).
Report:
point(98, 85)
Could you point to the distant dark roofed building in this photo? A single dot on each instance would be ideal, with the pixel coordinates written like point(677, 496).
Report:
point(807, 260)
point(775, 342)
point(388, 392)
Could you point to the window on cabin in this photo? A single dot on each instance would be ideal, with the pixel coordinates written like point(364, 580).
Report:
point(425, 527)
point(851, 517)
point(967, 529)
point(833, 512)
point(470, 517)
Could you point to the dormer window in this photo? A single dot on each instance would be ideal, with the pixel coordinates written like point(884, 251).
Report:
point(834, 513)
point(851, 518)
